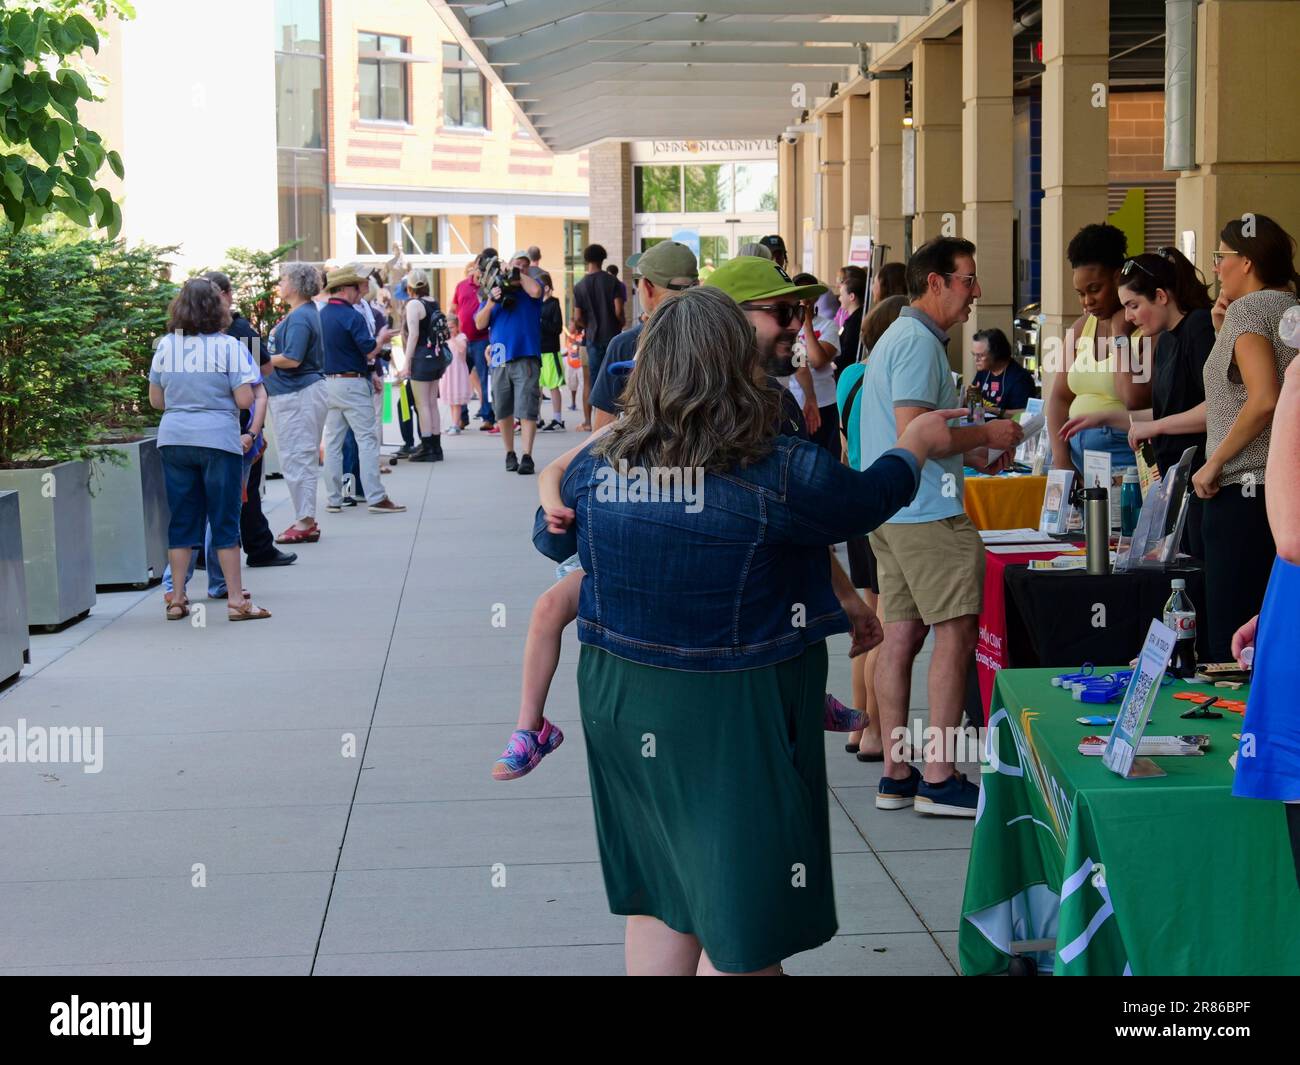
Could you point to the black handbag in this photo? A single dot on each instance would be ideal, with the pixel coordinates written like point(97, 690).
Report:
point(433, 355)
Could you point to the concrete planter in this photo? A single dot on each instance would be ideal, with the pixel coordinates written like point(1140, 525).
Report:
point(58, 548)
point(14, 642)
point(130, 513)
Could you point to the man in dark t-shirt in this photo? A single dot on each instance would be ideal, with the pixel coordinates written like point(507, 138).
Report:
point(598, 311)
point(664, 270)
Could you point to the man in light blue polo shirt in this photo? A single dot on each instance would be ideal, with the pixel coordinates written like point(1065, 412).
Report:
point(929, 555)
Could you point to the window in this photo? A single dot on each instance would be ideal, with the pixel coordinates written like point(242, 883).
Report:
point(575, 242)
point(372, 234)
point(659, 189)
point(299, 101)
point(755, 187)
point(708, 188)
point(300, 128)
point(717, 249)
point(302, 196)
point(649, 242)
point(382, 80)
point(464, 91)
point(419, 235)
point(298, 27)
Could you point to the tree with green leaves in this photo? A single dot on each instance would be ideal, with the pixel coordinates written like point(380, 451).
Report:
point(48, 160)
point(253, 277)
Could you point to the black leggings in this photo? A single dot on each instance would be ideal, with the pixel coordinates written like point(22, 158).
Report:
point(1239, 554)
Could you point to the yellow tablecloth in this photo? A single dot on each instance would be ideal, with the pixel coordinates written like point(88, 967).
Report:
point(1005, 502)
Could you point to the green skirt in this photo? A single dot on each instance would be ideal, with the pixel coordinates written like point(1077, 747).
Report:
point(711, 806)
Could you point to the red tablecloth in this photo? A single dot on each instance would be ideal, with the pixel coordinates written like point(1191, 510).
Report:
point(991, 648)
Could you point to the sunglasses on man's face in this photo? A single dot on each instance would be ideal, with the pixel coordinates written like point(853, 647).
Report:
point(784, 313)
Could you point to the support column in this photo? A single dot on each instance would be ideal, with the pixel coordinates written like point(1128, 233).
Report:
point(887, 165)
point(937, 122)
point(805, 238)
point(856, 131)
point(787, 200)
point(987, 154)
point(610, 168)
point(1247, 139)
point(830, 237)
point(1076, 150)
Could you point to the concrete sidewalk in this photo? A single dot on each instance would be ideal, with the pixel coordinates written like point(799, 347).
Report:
point(312, 794)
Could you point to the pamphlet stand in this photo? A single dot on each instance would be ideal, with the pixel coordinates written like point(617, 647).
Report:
point(1155, 539)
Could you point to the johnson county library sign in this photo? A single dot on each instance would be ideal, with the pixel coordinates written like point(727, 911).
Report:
point(660, 151)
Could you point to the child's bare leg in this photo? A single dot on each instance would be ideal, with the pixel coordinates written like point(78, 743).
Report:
point(555, 609)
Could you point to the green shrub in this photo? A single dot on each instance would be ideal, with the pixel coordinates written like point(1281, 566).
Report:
point(77, 324)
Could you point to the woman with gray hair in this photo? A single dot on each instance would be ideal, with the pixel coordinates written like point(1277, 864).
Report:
point(297, 392)
point(758, 250)
point(701, 533)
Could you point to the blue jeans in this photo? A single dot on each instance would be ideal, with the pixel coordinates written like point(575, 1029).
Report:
point(1105, 439)
point(216, 579)
point(352, 463)
point(478, 357)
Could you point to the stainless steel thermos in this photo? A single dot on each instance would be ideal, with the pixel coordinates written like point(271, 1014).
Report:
point(1096, 524)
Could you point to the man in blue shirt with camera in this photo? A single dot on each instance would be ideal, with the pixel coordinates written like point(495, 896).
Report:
point(513, 315)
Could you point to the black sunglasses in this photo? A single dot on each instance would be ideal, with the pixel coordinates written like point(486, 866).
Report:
point(784, 313)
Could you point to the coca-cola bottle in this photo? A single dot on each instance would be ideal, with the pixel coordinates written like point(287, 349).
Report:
point(1180, 616)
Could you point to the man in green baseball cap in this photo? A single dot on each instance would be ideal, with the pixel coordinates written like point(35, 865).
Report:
point(661, 272)
point(777, 308)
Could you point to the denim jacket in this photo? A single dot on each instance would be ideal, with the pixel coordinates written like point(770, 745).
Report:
point(734, 577)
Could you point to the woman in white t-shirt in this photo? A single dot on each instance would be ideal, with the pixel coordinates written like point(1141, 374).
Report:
point(817, 348)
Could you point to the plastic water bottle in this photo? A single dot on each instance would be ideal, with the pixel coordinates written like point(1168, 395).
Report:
point(1180, 616)
point(1130, 502)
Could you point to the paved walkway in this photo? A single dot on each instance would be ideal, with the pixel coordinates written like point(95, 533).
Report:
point(232, 831)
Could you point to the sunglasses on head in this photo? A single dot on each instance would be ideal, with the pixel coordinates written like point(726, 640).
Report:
point(784, 313)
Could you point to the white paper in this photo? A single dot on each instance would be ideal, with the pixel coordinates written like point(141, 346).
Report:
point(1014, 536)
point(1032, 424)
point(1055, 516)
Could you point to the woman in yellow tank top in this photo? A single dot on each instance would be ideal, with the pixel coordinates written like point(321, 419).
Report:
point(1098, 388)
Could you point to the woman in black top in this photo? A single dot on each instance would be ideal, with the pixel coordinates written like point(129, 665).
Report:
point(1165, 298)
point(552, 377)
point(853, 291)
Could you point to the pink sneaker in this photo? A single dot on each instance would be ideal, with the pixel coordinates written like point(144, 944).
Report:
point(840, 718)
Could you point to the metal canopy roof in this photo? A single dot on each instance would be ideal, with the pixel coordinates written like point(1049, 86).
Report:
point(580, 71)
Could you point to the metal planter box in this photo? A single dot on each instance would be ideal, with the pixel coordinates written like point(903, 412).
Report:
point(58, 551)
point(14, 642)
point(130, 512)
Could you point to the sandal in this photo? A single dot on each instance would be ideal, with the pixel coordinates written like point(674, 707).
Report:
point(247, 611)
point(295, 535)
point(176, 611)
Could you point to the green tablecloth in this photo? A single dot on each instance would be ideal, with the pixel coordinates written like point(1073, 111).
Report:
point(1170, 875)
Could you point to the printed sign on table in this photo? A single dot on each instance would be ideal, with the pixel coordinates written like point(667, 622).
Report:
point(1135, 710)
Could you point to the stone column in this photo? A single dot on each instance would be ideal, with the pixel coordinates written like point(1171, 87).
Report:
point(887, 164)
point(1076, 150)
point(856, 131)
point(937, 122)
point(610, 169)
point(787, 212)
point(1248, 127)
point(830, 237)
point(987, 153)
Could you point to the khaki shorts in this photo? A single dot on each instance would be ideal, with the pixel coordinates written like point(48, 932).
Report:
point(930, 572)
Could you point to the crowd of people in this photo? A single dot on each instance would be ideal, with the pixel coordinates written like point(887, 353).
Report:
point(818, 415)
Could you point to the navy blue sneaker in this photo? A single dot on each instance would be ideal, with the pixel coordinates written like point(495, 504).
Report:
point(898, 794)
point(955, 797)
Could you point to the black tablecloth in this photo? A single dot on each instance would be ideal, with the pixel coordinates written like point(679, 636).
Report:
point(1053, 617)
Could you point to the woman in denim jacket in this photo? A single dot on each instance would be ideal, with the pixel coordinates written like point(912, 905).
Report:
point(703, 615)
